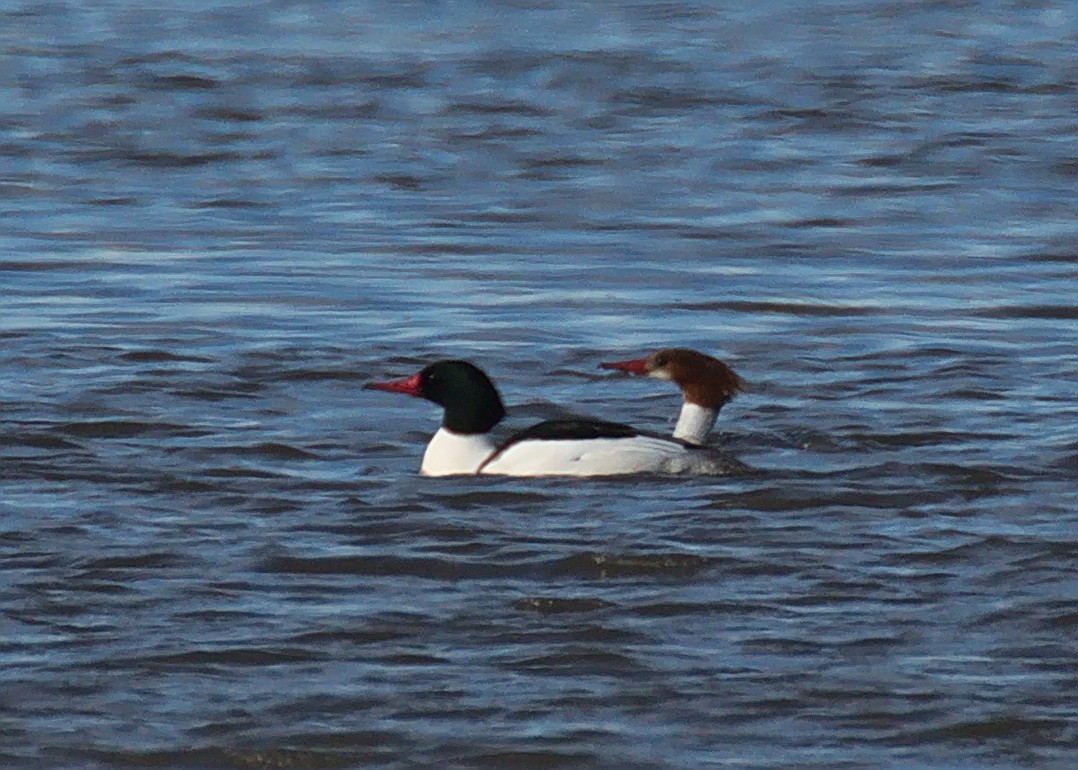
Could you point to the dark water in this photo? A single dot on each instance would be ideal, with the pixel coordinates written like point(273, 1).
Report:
point(217, 222)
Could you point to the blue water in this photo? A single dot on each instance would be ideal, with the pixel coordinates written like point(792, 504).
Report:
point(217, 223)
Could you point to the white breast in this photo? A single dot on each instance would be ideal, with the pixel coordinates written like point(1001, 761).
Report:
point(694, 423)
point(450, 454)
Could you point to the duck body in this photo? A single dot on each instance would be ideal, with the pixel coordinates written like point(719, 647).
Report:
point(597, 448)
point(573, 447)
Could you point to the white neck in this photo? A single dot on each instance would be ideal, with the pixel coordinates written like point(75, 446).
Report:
point(451, 453)
point(694, 423)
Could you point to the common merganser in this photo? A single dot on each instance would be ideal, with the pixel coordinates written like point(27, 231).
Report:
point(576, 447)
point(706, 383)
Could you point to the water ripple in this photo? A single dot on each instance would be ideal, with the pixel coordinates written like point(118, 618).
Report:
point(215, 548)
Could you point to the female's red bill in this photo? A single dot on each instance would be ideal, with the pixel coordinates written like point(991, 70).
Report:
point(635, 366)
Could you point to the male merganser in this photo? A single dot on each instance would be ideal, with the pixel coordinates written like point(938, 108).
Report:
point(707, 384)
point(576, 447)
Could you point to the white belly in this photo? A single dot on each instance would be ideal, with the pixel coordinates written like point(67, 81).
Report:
point(594, 457)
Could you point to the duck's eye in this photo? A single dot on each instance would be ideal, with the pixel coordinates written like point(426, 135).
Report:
point(660, 361)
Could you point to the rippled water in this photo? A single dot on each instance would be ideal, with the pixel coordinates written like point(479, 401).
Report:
point(218, 222)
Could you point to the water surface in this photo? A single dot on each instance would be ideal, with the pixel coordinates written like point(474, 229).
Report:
point(218, 222)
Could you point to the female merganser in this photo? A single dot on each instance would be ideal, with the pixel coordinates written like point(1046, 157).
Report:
point(707, 384)
point(577, 447)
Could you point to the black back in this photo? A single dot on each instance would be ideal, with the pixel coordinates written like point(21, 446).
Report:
point(577, 428)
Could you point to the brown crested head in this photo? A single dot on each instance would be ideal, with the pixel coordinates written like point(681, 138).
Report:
point(705, 381)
